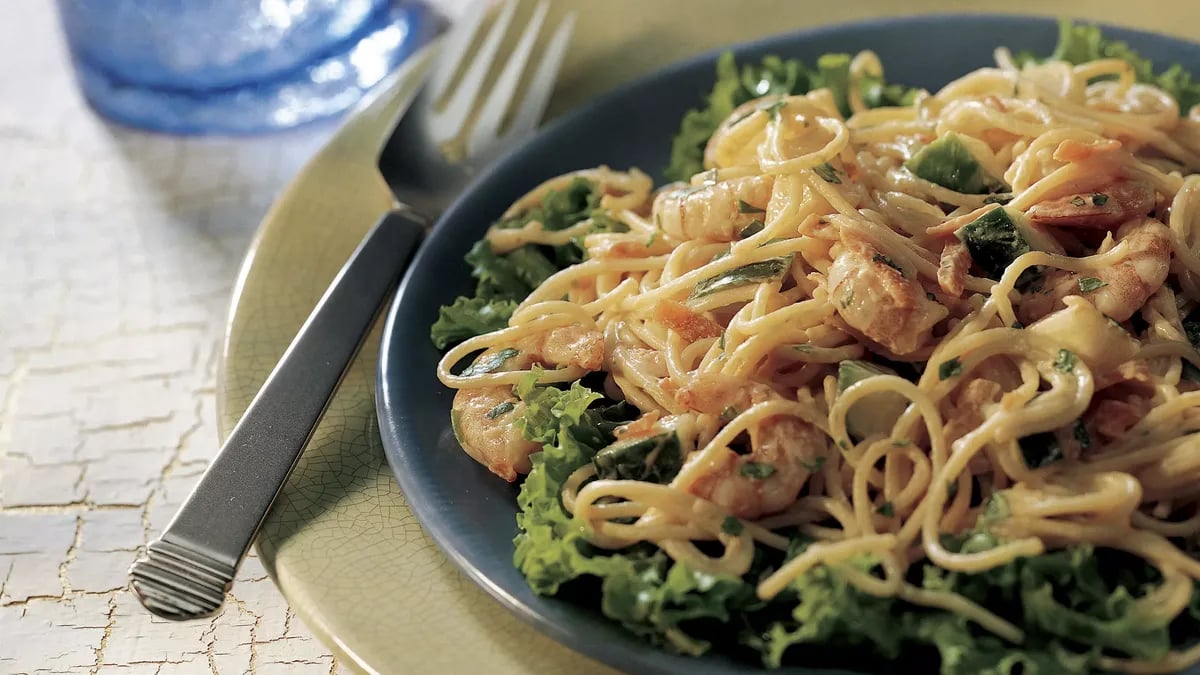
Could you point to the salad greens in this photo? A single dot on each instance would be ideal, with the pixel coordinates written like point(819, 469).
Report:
point(1074, 605)
point(772, 77)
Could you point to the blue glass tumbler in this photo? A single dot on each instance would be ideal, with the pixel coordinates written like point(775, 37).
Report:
point(236, 66)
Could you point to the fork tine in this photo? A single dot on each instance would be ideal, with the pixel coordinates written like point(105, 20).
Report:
point(533, 106)
point(453, 48)
point(493, 110)
point(448, 122)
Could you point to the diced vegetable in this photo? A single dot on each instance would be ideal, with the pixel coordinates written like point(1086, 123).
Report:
point(1088, 334)
point(875, 414)
point(948, 162)
point(994, 242)
point(654, 458)
point(752, 273)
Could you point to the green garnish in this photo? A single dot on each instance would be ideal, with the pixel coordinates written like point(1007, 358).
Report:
point(887, 509)
point(881, 258)
point(490, 363)
point(729, 413)
point(752, 273)
point(827, 173)
point(949, 369)
point(752, 229)
point(1078, 201)
point(773, 109)
point(747, 207)
point(1065, 362)
point(756, 470)
point(1099, 199)
point(1089, 284)
point(731, 526)
point(501, 409)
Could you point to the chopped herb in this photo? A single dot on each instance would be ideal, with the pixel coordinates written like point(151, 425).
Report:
point(803, 349)
point(1082, 437)
point(1078, 201)
point(731, 526)
point(721, 342)
point(501, 409)
point(1065, 363)
point(747, 207)
point(847, 298)
point(773, 109)
point(752, 229)
point(881, 258)
point(901, 442)
point(813, 466)
point(651, 239)
point(827, 173)
point(950, 369)
point(844, 444)
point(1099, 199)
point(1001, 199)
point(658, 220)
point(1017, 324)
point(490, 363)
point(951, 489)
point(752, 273)
point(756, 470)
point(729, 413)
point(1089, 284)
point(887, 510)
point(1041, 449)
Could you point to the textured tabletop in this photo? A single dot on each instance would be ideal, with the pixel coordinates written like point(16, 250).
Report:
point(118, 251)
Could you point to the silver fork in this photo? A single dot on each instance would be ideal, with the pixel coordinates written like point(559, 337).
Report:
point(186, 572)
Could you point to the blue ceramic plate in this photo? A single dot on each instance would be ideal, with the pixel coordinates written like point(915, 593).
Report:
point(468, 511)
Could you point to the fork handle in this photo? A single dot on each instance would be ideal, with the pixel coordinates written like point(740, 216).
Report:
point(186, 572)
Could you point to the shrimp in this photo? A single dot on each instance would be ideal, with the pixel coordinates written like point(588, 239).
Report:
point(784, 449)
point(875, 298)
point(1104, 208)
point(713, 211)
point(784, 453)
point(484, 418)
point(1117, 290)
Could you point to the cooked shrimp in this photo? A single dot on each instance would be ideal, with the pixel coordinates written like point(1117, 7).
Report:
point(713, 211)
point(717, 394)
point(690, 325)
point(783, 454)
point(483, 421)
point(484, 417)
point(1120, 290)
point(1104, 208)
point(566, 346)
point(873, 296)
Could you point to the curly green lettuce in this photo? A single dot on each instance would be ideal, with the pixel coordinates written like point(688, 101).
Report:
point(1079, 43)
point(505, 279)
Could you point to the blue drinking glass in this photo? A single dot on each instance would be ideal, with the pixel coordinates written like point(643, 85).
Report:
point(236, 66)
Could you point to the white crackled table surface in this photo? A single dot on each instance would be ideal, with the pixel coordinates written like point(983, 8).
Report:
point(118, 251)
